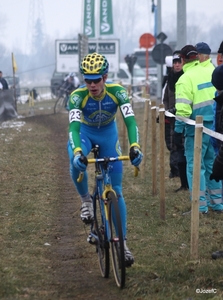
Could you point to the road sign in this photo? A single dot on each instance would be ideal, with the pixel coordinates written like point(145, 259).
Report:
point(161, 37)
point(131, 60)
point(159, 53)
point(147, 40)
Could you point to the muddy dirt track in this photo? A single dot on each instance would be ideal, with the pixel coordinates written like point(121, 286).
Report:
point(74, 262)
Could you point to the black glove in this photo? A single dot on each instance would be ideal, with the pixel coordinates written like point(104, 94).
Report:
point(172, 110)
point(178, 139)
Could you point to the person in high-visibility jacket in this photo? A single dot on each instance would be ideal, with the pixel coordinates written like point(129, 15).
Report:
point(194, 96)
point(204, 52)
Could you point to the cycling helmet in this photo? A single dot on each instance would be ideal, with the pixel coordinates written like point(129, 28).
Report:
point(71, 74)
point(94, 66)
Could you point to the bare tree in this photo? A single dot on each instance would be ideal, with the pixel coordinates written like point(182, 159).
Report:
point(131, 20)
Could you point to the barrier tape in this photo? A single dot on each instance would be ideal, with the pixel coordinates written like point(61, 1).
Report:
point(208, 131)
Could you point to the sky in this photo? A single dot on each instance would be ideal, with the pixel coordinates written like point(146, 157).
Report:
point(63, 17)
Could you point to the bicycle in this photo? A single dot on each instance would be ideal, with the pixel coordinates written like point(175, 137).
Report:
point(60, 104)
point(106, 229)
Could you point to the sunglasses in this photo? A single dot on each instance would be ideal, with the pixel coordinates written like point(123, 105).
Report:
point(95, 81)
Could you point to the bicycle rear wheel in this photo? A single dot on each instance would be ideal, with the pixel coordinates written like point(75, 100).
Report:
point(102, 245)
point(59, 105)
point(116, 241)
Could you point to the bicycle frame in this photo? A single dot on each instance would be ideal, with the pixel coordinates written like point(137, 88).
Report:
point(103, 186)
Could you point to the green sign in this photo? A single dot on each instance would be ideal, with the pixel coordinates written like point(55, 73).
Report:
point(106, 22)
point(89, 19)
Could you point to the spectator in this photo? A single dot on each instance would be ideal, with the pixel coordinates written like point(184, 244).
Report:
point(177, 158)
point(217, 81)
point(194, 96)
point(220, 54)
point(217, 170)
point(204, 52)
point(3, 82)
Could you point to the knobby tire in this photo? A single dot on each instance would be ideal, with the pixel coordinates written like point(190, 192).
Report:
point(117, 240)
point(102, 246)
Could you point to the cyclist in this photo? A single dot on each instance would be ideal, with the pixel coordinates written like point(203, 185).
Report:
point(70, 83)
point(93, 107)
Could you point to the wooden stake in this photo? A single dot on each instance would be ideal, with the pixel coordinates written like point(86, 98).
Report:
point(145, 135)
point(196, 187)
point(162, 160)
point(154, 154)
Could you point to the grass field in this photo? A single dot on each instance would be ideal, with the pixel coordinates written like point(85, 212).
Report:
point(163, 267)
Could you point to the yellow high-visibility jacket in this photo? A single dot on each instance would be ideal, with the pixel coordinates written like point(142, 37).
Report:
point(194, 96)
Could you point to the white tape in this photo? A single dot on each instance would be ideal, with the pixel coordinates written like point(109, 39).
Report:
point(210, 132)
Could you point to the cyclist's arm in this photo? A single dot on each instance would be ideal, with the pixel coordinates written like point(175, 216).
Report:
point(74, 135)
point(75, 113)
point(133, 133)
point(128, 116)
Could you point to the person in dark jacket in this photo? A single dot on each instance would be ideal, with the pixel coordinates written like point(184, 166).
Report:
point(3, 82)
point(177, 157)
point(220, 54)
point(217, 169)
point(217, 81)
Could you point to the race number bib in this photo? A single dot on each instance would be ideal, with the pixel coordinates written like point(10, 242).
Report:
point(127, 110)
point(75, 115)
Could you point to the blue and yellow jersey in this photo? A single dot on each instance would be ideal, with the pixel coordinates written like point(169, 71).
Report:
point(100, 112)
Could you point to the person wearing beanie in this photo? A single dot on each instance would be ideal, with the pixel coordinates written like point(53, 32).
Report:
point(220, 54)
point(177, 159)
point(194, 97)
point(204, 52)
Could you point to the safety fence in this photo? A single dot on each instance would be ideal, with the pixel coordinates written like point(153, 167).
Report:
point(157, 137)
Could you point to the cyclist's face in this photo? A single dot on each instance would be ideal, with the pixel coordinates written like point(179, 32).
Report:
point(96, 88)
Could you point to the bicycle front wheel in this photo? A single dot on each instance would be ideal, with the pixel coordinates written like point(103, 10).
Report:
point(102, 245)
point(116, 240)
point(59, 105)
